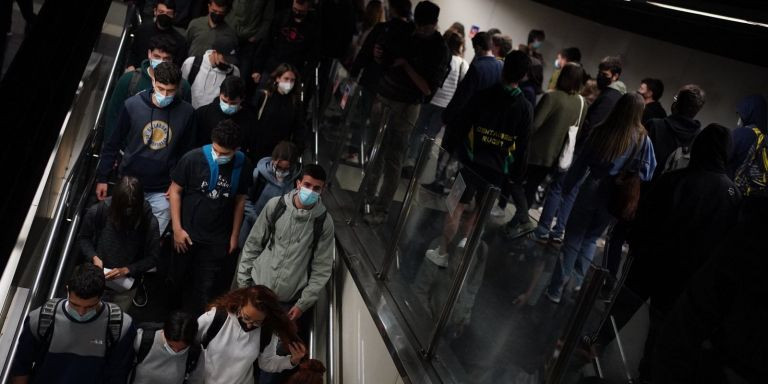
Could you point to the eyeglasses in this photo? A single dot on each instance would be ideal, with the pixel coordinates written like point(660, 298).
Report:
point(248, 321)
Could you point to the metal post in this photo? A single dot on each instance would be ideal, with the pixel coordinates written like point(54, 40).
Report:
point(405, 211)
point(473, 241)
point(573, 329)
point(383, 124)
point(316, 113)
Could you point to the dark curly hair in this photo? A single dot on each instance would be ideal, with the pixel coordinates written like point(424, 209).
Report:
point(263, 299)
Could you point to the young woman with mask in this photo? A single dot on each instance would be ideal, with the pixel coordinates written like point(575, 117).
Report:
point(161, 354)
point(273, 176)
point(279, 111)
point(248, 314)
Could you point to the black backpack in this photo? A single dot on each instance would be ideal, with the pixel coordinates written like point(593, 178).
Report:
point(219, 317)
point(46, 324)
point(196, 63)
point(752, 176)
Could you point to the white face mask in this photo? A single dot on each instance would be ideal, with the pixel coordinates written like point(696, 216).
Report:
point(738, 123)
point(284, 87)
point(171, 351)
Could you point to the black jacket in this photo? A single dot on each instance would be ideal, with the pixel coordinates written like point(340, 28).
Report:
point(425, 54)
point(669, 133)
point(684, 216)
point(725, 305)
point(208, 116)
point(391, 37)
point(140, 44)
point(653, 110)
point(597, 112)
point(282, 119)
point(290, 42)
point(494, 131)
point(136, 248)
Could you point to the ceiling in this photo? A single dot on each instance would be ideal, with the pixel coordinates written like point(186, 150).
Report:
point(739, 41)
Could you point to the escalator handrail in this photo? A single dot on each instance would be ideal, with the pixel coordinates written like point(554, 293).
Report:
point(59, 213)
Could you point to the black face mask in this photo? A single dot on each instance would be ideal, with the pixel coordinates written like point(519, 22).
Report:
point(244, 326)
point(164, 21)
point(217, 18)
point(603, 81)
point(299, 16)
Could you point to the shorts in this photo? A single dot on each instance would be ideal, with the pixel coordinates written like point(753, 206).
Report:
point(477, 178)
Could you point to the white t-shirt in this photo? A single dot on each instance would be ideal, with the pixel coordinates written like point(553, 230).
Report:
point(230, 354)
point(444, 94)
point(207, 84)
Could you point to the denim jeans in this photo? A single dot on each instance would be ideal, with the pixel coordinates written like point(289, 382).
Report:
point(427, 125)
point(249, 219)
point(161, 208)
point(387, 168)
point(588, 221)
point(556, 205)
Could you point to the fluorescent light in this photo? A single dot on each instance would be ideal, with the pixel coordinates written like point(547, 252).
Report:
point(707, 14)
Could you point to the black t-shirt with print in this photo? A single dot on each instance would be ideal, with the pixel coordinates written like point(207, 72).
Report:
point(207, 216)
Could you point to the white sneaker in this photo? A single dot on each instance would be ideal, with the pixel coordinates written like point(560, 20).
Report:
point(498, 211)
point(433, 255)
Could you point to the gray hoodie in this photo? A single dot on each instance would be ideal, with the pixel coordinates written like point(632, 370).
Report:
point(284, 268)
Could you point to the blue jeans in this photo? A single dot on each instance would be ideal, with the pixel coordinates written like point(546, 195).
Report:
point(161, 208)
point(249, 219)
point(427, 125)
point(556, 205)
point(588, 221)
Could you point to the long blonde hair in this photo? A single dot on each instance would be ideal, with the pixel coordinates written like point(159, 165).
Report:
point(620, 130)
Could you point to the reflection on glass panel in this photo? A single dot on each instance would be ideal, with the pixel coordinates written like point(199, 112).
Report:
point(434, 241)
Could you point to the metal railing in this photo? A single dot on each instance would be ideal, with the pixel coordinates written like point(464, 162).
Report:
point(66, 213)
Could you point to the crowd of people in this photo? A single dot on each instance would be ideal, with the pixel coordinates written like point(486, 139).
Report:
point(202, 152)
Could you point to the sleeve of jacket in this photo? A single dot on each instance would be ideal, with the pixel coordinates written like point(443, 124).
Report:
point(267, 15)
point(261, 54)
point(151, 248)
point(26, 353)
point(542, 112)
point(458, 128)
point(464, 91)
point(365, 55)
point(517, 173)
point(270, 361)
point(116, 102)
point(321, 267)
point(593, 113)
point(121, 358)
point(112, 145)
point(647, 161)
point(86, 233)
point(253, 249)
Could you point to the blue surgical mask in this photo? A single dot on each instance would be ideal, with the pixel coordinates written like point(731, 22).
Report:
point(162, 100)
point(536, 44)
point(220, 160)
point(308, 196)
point(154, 63)
point(228, 109)
point(81, 318)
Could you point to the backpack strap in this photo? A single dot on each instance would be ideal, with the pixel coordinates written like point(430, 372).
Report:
point(265, 338)
point(317, 233)
point(219, 317)
point(239, 160)
point(45, 322)
point(263, 104)
point(147, 339)
point(114, 325)
point(196, 63)
point(134, 84)
point(269, 237)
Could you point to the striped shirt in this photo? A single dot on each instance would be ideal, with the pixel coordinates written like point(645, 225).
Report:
point(443, 95)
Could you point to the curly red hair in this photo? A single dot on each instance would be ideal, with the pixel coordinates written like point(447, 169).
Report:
point(263, 299)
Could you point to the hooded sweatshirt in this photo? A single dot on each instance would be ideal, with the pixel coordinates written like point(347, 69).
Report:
point(155, 139)
point(272, 187)
point(686, 213)
point(669, 133)
point(286, 268)
point(121, 93)
point(207, 82)
point(752, 112)
point(210, 115)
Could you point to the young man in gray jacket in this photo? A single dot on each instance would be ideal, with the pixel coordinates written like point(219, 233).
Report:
point(290, 248)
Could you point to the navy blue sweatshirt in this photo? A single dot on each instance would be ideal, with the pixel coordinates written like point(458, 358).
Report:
point(484, 72)
point(155, 139)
